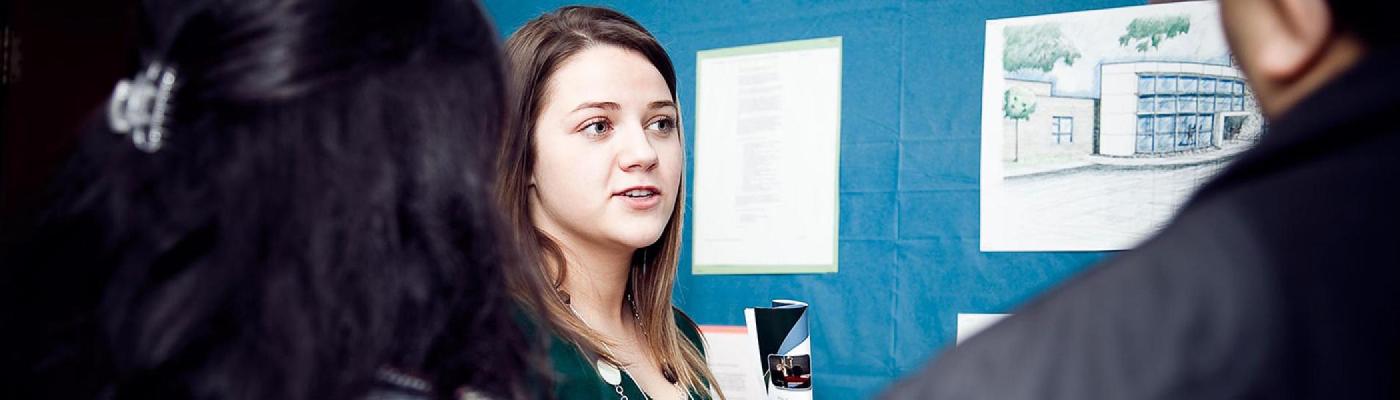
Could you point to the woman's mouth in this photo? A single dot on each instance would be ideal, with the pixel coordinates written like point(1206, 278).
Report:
point(640, 197)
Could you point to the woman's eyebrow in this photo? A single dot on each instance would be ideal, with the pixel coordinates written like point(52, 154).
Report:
point(606, 105)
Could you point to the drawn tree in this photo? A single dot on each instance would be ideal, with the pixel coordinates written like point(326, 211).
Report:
point(1018, 105)
point(1149, 33)
point(1036, 47)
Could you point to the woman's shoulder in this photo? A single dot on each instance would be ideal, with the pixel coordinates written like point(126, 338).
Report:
point(689, 328)
point(560, 350)
point(571, 370)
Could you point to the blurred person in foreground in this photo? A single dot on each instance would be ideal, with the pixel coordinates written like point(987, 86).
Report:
point(289, 199)
point(1277, 280)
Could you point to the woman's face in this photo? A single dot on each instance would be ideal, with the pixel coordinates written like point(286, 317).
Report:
point(608, 151)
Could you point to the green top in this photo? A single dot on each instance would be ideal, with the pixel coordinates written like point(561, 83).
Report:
point(578, 376)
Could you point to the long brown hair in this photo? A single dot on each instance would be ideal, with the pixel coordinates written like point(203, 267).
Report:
point(534, 52)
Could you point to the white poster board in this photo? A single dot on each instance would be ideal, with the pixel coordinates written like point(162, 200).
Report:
point(767, 139)
point(971, 323)
point(729, 351)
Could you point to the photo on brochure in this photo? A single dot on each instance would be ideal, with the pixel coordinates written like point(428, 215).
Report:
point(790, 372)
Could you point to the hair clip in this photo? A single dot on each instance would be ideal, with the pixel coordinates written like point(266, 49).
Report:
point(140, 105)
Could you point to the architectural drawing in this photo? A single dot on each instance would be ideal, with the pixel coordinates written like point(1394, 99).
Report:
point(1098, 125)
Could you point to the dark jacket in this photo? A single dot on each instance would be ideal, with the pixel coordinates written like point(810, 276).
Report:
point(1279, 279)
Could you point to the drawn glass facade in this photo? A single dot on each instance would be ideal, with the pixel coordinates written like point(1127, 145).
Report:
point(1177, 112)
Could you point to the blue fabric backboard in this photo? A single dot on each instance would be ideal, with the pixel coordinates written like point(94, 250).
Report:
point(910, 136)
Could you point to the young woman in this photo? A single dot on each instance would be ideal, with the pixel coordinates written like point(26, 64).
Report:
point(592, 174)
point(289, 199)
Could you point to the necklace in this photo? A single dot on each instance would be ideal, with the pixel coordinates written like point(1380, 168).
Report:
point(612, 374)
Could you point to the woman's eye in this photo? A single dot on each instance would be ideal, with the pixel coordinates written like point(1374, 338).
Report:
point(596, 129)
point(663, 126)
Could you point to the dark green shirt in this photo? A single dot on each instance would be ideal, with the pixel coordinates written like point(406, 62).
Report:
point(578, 377)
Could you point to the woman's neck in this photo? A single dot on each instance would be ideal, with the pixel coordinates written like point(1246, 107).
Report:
point(596, 283)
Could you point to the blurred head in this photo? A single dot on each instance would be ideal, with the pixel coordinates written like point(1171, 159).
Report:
point(321, 207)
point(594, 155)
point(1290, 48)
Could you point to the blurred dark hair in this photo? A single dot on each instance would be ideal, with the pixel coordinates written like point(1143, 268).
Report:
point(1371, 20)
point(322, 208)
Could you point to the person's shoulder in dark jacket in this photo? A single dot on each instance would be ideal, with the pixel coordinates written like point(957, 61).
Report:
point(1276, 280)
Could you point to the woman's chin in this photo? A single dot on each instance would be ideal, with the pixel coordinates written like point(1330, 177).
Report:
point(637, 240)
point(635, 233)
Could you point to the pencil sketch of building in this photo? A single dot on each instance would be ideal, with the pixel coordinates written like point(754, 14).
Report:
point(1098, 125)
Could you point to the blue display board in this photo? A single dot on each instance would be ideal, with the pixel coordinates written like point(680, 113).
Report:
point(911, 107)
